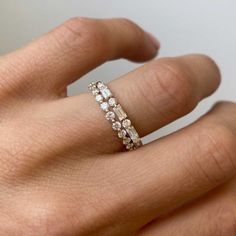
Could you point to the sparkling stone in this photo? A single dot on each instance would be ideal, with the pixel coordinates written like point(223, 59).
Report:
point(106, 93)
point(99, 98)
point(130, 146)
point(95, 91)
point(122, 133)
point(126, 141)
point(133, 134)
point(92, 86)
point(119, 112)
point(112, 102)
point(101, 85)
point(116, 125)
point(126, 123)
point(104, 106)
point(110, 115)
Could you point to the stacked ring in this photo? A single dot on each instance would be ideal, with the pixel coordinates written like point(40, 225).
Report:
point(116, 115)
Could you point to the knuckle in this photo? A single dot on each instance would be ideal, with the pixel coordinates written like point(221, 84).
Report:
point(217, 146)
point(47, 215)
point(44, 215)
point(167, 80)
point(76, 25)
point(82, 34)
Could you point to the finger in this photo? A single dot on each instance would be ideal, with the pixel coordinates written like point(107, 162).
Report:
point(74, 48)
point(166, 89)
point(170, 172)
point(152, 96)
point(215, 214)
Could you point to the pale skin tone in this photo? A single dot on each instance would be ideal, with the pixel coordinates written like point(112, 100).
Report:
point(58, 177)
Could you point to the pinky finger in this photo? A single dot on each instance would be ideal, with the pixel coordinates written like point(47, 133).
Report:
point(213, 215)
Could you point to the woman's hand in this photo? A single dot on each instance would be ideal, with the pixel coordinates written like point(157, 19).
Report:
point(62, 168)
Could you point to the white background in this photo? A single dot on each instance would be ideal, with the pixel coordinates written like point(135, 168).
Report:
point(186, 26)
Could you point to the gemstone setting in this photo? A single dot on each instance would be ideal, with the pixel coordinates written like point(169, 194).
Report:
point(116, 115)
point(129, 146)
point(116, 125)
point(95, 91)
point(122, 133)
point(106, 93)
point(119, 112)
point(126, 123)
point(99, 98)
point(112, 102)
point(133, 134)
point(101, 85)
point(104, 106)
point(126, 141)
point(92, 86)
point(110, 115)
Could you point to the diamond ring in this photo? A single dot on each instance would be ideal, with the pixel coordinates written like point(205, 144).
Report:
point(116, 115)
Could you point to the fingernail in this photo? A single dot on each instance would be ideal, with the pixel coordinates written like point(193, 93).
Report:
point(154, 40)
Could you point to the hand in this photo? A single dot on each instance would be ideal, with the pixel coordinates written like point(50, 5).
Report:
point(63, 170)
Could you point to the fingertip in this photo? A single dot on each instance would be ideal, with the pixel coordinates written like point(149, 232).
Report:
point(205, 70)
point(154, 41)
point(148, 50)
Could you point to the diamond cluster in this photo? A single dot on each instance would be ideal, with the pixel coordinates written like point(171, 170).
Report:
point(116, 115)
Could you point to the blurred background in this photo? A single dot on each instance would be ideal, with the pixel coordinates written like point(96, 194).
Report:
point(187, 26)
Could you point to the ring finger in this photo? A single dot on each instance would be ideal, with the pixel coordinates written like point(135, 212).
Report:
point(153, 96)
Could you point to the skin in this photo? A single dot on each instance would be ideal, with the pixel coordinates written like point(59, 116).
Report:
point(59, 177)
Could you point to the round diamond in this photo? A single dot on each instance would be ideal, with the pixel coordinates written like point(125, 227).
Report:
point(92, 86)
point(99, 98)
point(116, 125)
point(126, 123)
point(104, 106)
point(126, 141)
point(101, 85)
point(95, 91)
point(129, 146)
point(122, 133)
point(112, 102)
point(110, 115)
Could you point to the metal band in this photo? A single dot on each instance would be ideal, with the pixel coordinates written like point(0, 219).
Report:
point(116, 115)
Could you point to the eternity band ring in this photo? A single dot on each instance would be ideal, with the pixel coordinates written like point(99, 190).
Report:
point(116, 115)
